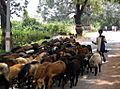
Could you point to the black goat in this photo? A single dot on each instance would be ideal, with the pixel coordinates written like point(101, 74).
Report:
point(4, 84)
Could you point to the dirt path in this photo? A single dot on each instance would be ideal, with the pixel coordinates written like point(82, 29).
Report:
point(110, 76)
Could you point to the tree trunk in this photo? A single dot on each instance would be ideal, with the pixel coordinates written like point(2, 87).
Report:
point(3, 27)
point(3, 10)
point(78, 16)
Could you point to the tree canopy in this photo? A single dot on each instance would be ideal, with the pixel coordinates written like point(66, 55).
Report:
point(65, 9)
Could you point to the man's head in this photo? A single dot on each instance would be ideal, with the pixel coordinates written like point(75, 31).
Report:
point(100, 31)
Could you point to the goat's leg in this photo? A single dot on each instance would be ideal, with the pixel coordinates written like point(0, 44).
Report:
point(36, 84)
point(50, 82)
point(76, 79)
point(7, 85)
point(36, 87)
point(96, 70)
point(64, 81)
point(99, 67)
point(91, 70)
point(71, 81)
point(59, 81)
point(29, 83)
point(82, 70)
point(46, 85)
point(87, 69)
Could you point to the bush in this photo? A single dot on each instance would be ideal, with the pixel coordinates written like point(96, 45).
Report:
point(36, 32)
point(56, 28)
point(27, 36)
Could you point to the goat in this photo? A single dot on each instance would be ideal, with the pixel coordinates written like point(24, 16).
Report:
point(95, 62)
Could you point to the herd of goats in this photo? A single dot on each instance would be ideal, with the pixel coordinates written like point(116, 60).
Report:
point(56, 62)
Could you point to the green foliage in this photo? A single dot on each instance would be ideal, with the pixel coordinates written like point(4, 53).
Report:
point(36, 32)
point(78, 1)
point(56, 10)
point(118, 1)
point(29, 30)
point(27, 36)
point(27, 21)
point(55, 28)
point(60, 10)
point(17, 25)
point(96, 25)
point(2, 51)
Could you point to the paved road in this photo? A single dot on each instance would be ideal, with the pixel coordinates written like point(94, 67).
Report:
point(113, 38)
point(109, 78)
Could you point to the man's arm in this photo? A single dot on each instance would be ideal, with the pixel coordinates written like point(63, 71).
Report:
point(94, 42)
point(105, 40)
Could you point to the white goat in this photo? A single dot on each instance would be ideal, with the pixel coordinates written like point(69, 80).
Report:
point(95, 62)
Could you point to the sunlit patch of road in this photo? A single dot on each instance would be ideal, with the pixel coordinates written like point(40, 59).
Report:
point(111, 37)
point(113, 55)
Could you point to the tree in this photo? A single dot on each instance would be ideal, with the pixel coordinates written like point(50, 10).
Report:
point(118, 1)
point(81, 8)
point(16, 7)
point(77, 16)
point(56, 10)
point(27, 21)
point(112, 13)
point(62, 10)
point(108, 17)
point(3, 9)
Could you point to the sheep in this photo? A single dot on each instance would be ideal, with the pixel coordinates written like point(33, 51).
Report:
point(95, 61)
